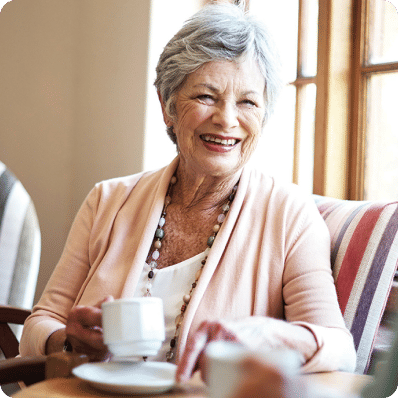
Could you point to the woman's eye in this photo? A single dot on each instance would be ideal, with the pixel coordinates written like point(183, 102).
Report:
point(205, 97)
point(249, 102)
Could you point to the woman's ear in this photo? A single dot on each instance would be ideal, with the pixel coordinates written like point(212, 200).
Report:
point(167, 119)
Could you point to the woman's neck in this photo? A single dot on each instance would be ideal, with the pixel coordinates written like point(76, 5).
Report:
point(202, 192)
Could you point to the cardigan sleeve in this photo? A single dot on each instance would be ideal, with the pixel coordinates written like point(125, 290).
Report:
point(309, 293)
point(51, 312)
point(79, 277)
point(296, 279)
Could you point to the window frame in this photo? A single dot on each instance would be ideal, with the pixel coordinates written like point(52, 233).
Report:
point(360, 75)
point(332, 119)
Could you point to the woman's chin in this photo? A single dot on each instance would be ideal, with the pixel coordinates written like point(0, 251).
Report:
point(220, 168)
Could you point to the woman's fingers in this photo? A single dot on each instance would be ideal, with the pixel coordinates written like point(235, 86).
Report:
point(106, 299)
point(193, 357)
point(84, 331)
point(194, 347)
point(86, 316)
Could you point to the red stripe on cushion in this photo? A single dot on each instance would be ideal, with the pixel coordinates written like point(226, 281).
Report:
point(354, 253)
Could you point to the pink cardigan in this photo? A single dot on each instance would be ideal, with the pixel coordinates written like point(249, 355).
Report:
point(270, 258)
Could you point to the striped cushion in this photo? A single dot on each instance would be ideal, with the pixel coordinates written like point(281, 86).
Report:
point(364, 257)
point(19, 242)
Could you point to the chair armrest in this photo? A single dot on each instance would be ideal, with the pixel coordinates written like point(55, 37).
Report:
point(9, 314)
point(37, 368)
point(27, 369)
point(60, 364)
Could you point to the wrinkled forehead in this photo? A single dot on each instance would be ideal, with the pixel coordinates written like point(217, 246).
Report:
point(242, 76)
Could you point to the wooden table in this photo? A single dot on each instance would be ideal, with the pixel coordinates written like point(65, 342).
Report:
point(75, 388)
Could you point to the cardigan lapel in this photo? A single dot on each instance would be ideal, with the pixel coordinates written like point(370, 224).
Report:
point(161, 180)
point(214, 258)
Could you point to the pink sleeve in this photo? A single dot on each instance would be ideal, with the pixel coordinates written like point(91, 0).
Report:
point(310, 295)
point(51, 312)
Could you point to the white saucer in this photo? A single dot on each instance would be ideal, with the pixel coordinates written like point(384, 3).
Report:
point(128, 377)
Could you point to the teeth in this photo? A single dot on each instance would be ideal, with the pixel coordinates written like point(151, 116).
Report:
point(209, 138)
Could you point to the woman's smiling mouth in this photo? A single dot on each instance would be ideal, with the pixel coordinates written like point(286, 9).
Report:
point(230, 142)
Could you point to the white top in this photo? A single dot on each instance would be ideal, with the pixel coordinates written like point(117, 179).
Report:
point(170, 284)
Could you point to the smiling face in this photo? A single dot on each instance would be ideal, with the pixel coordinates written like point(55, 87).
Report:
point(219, 117)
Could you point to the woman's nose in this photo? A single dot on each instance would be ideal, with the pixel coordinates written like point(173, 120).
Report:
point(226, 115)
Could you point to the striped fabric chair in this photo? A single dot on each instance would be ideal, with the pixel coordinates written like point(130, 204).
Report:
point(20, 242)
point(364, 257)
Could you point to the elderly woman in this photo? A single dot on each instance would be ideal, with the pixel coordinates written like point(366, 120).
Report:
point(233, 253)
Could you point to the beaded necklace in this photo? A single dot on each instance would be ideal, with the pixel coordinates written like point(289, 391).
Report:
point(154, 254)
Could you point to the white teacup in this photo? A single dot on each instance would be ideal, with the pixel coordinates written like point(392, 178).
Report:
point(133, 327)
point(224, 371)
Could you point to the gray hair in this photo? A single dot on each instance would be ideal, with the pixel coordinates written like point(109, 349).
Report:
point(217, 32)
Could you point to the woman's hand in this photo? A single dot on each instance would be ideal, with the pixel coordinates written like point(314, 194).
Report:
point(193, 357)
point(84, 331)
point(255, 333)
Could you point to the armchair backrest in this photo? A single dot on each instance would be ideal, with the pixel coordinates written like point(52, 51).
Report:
point(364, 257)
point(20, 242)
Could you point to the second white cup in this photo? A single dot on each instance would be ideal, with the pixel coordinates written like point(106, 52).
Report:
point(224, 365)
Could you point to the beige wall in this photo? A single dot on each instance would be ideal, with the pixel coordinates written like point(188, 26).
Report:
point(72, 102)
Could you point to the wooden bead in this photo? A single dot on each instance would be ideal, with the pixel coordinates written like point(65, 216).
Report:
point(178, 320)
point(216, 228)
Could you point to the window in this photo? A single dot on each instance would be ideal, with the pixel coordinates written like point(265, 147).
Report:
point(166, 19)
point(376, 69)
point(344, 89)
point(295, 27)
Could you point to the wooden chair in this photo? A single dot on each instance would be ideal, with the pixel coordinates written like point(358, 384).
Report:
point(8, 341)
point(29, 370)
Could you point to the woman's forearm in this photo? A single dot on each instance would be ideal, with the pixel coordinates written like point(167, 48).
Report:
point(263, 333)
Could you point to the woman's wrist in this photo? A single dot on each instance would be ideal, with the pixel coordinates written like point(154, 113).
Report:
point(56, 341)
point(67, 346)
